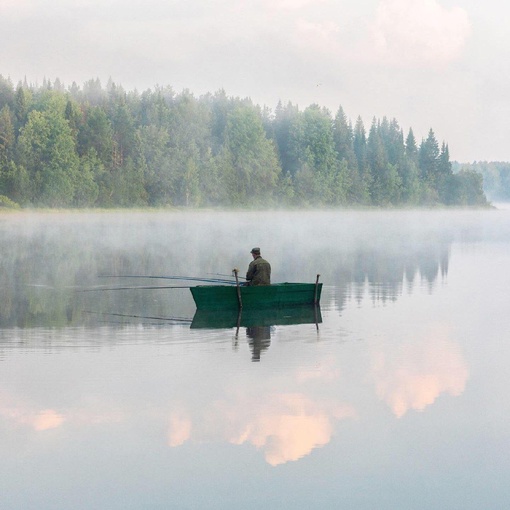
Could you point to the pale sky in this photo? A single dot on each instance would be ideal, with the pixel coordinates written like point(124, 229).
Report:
point(440, 64)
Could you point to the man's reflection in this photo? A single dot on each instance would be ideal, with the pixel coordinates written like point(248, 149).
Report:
point(259, 339)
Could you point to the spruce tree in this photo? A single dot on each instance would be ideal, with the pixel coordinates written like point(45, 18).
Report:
point(428, 158)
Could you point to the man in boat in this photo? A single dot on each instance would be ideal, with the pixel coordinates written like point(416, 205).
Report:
point(259, 270)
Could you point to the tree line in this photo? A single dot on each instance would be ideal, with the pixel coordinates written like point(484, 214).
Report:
point(95, 146)
point(496, 177)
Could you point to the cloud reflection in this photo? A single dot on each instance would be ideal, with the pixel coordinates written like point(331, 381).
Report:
point(24, 413)
point(285, 427)
point(179, 430)
point(418, 374)
point(45, 419)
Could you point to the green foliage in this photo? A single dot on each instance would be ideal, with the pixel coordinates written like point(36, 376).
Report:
point(47, 150)
point(496, 178)
point(15, 182)
point(8, 203)
point(429, 158)
point(6, 92)
point(96, 133)
point(104, 147)
point(86, 184)
point(287, 135)
point(466, 188)
point(254, 158)
point(7, 136)
point(343, 138)
point(21, 106)
point(317, 139)
point(411, 149)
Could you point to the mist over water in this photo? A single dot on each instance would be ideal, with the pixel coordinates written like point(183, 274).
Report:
point(47, 258)
point(393, 400)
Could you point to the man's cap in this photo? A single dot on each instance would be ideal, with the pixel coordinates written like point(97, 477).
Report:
point(255, 250)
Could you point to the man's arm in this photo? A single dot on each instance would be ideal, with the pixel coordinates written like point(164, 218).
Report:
point(251, 271)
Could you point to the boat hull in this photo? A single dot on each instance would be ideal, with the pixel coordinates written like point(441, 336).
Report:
point(278, 295)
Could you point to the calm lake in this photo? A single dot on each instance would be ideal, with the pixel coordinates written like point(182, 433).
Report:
point(394, 396)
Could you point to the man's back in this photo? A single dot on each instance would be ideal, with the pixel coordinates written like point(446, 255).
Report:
point(259, 272)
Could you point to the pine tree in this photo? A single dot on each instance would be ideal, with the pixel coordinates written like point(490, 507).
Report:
point(21, 106)
point(6, 93)
point(411, 149)
point(287, 132)
point(386, 182)
point(360, 150)
point(343, 138)
point(428, 158)
point(360, 144)
point(7, 138)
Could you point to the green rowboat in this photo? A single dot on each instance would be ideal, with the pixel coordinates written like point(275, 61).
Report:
point(278, 295)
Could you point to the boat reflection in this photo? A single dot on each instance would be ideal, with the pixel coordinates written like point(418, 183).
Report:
point(258, 323)
point(259, 339)
point(225, 319)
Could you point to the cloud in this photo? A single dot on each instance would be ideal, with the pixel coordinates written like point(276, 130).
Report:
point(319, 36)
point(15, 9)
point(233, 32)
point(419, 32)
point(289, 5)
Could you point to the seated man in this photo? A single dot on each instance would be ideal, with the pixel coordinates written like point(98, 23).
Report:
point(259, 270)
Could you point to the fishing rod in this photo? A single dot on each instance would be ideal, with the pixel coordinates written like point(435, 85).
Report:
point(230, 276)
point(141, 287)
point(175, 319)
point(189, 278)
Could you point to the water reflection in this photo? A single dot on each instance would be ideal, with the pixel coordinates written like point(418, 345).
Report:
point(402, 372)
point(286, 427)
point(47, 260)
point(414, 375)
point(259, 338)
point(247, 318)
point(257, 324)
point(29, 416)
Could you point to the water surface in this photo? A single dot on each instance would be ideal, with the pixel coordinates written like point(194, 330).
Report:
point(396, 398)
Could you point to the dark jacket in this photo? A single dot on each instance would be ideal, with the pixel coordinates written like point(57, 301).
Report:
point(259, 272)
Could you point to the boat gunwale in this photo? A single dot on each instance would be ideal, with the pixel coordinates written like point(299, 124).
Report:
point(276, 295)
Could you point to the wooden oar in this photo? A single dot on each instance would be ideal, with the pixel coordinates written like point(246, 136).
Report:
point(316, 289)
point(235, 271)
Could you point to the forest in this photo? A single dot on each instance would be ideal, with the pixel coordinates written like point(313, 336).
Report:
point(104, 147)
point(496, 177)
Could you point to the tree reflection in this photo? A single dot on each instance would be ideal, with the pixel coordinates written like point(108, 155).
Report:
point(45, 264)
